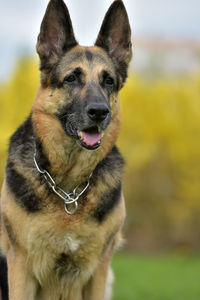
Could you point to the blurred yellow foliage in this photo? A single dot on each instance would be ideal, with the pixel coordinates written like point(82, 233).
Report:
point(160, 140)
point(16, 97)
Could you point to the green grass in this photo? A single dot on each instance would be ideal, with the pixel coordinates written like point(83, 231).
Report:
point(156, 278)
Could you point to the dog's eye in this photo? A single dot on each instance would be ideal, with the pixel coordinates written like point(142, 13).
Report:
point(109, 81)
point(70, 78)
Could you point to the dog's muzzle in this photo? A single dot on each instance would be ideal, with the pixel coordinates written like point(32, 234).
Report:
point(99, 118)
point(86, 121)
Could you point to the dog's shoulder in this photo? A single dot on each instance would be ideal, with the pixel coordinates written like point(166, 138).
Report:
point(108, 173)
point(112, 161)
point(19, 166)
point(22, 136)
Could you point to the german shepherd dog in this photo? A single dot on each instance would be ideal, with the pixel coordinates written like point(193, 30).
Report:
point(62, 206)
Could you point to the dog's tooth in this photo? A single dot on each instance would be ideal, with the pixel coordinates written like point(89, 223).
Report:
point(81, 135)
point(99, 142)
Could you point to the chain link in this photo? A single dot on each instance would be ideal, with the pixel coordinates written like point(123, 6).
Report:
point(69, 199)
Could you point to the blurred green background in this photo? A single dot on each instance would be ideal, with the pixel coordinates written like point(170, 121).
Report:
point(160, 141)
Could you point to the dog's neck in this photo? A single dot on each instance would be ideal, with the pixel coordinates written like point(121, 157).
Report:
point(60, 155)
point(65, 160)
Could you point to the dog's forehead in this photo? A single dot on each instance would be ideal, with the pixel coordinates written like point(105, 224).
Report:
point(87, 58)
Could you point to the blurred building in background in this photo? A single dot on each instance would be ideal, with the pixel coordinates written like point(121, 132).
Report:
point(154, 57)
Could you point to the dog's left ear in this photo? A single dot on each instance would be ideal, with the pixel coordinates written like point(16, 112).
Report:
point(115, 37)
point(56, 34)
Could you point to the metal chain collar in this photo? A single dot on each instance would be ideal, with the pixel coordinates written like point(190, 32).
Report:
point(69, 199)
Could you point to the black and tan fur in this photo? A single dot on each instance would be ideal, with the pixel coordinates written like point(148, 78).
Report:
point(50, 254)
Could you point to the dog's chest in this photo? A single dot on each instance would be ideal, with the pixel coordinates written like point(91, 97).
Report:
point(73, 251)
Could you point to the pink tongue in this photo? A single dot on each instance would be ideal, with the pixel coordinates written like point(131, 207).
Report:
point(91, 139)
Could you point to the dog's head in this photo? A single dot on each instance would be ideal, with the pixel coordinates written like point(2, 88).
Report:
point(83, 82)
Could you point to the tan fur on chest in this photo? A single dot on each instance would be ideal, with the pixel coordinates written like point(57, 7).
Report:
point(47, 238)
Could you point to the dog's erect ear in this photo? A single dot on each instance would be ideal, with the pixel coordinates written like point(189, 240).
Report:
point(115, 36)
point(56, 34)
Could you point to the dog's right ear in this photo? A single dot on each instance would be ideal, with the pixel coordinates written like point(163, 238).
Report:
point(56, 34)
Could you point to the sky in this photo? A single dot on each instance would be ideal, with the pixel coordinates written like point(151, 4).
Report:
point(20, 22)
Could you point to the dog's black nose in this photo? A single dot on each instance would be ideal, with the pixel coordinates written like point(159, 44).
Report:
point(98, 111)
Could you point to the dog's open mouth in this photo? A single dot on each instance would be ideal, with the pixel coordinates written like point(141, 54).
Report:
point(90, 138)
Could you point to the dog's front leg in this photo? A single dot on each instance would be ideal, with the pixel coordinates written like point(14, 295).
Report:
point(100, 285)
point(75, 294)
point(97, 288)
point(22, 285)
